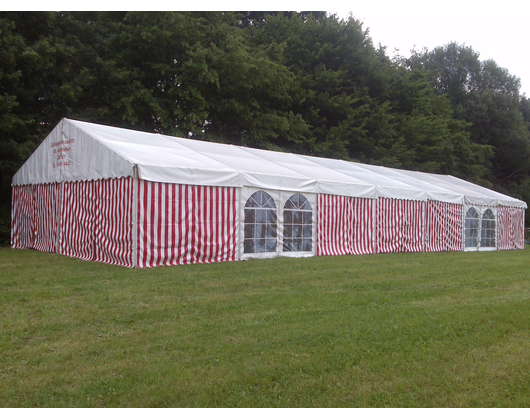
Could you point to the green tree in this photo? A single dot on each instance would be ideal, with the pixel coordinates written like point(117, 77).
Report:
point(336, 70)
point(487, 97)
point(15, 144)
point(303, 82)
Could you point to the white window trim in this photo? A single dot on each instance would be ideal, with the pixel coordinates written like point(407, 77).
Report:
point(480, 210)
point(280, 198)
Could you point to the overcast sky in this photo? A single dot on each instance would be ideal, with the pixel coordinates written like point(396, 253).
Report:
point(501, 35)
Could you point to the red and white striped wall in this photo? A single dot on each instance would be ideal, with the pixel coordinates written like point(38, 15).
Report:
point(399, 225)
point(96, 220)
point(91, 220)
point(22, 217)
point(149, 224)
point(78, 220)
point(443, 228)
point(510, 228)
point(183, 224)
point(344, 225)
point(114, 211)
point(35, 217)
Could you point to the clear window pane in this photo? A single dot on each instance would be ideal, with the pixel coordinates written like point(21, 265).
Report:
point(260, 224)
point(271, 231)
point(487, 234)
point(270, 245)
point(250, 216)
point(298, 219)
point(249, 246)
point(272, 217)
point(261, 216)
point(249, 231)
point(471, 228)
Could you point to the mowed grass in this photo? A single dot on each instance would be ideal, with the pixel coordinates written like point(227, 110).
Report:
point(394, 330)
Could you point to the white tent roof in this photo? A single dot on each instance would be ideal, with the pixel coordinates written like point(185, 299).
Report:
point(78, 151)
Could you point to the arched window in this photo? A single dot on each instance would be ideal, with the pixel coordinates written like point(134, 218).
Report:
point(472, 227)
point(297, 224)
point(260, 224)
point(487, 233)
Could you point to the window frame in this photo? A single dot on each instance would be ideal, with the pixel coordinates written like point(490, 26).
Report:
point(280, 198)
point(484, 229)
point(264, 223)
point(481, 210)
point(303, 225)
point(477, 236)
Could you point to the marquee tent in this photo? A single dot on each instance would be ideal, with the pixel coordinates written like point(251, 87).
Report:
point(142, 200)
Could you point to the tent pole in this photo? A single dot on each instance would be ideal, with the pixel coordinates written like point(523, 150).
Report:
point(424, 223)
point(374, 225)
point(239, 228)
point(135, 218)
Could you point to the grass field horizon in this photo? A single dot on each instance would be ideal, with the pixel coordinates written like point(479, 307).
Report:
point(387, 330)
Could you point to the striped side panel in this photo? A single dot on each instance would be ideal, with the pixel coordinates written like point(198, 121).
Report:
point(363, 226)
point(333, 224)
point(78, 219)
point(22, 216)
point(46, 217)
point(399, 225)
point(344, 225)
point(444, 230)
point(455, 230)
point(412, 226)
point(184, 224)
point(510, 228)
point(113, 216)
point(388, 229)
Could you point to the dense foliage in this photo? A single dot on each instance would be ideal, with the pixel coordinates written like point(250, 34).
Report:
point(300, 82)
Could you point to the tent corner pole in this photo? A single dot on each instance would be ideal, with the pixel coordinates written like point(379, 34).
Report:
point(135, 218)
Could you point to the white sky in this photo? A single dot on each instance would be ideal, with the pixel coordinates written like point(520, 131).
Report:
point(501, 35)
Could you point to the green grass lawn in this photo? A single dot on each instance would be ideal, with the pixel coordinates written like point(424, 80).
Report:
point(394, 330)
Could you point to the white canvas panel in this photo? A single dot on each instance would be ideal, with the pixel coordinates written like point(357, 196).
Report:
point(401, 193)
point(161, 160)
point(355, 171)
point(327, 179)
point(255, 171)
point(70, 154)
point(80, 151)
point(189, 175)
point(383, 186)
point(414, 179)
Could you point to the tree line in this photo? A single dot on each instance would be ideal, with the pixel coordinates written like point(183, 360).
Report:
point(304, 82)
